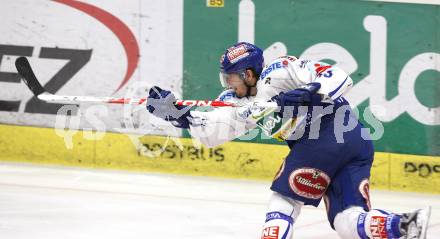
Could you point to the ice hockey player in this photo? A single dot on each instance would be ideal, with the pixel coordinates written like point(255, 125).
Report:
point(326, 159)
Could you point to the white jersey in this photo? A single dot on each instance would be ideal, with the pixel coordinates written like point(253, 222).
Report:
point(220, 125)
point(283, 74)
point(288, 73)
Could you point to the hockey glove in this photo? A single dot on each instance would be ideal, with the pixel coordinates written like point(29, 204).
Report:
point(161, 103)
point(303, 96)
point(272, 122)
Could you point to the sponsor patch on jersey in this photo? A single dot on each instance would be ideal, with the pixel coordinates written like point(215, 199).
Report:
point(270, 232)
point(309, 182)
point(321, 68)
point(377, 227)
point(275, 66)
point(236, 53)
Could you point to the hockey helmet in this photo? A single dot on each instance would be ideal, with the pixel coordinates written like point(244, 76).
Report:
point(240, 57)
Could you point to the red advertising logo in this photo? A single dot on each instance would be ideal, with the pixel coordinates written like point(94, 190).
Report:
point(377, 227)
point(309, 182)
point(124, 34)
point(270, 232)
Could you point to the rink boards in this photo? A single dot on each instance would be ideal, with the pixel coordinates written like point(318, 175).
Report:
point(122, 48)
point(399, 172)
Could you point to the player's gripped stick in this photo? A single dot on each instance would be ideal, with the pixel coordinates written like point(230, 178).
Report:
point(28, 76)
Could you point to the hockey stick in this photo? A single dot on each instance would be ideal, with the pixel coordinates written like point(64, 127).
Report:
point(29, 78)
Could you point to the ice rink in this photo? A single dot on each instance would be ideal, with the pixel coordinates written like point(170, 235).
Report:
point(53, 202)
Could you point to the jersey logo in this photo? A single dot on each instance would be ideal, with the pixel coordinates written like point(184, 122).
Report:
point(275, 66)
point(309, 182)
point(319, 69)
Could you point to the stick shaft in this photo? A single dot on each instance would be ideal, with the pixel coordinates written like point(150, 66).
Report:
point(137, 101)
point(114, 100)
point(28, 76)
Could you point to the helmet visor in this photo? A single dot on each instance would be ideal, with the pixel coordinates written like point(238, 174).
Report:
point(228, 80)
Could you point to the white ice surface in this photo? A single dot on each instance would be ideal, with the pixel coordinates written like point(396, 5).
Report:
point(53, 202)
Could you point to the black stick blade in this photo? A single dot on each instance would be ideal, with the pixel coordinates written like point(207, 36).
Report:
point(28, 76)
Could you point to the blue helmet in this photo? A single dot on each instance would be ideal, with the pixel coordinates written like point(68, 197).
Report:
point(242, 56)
